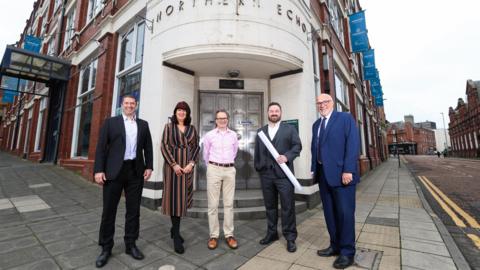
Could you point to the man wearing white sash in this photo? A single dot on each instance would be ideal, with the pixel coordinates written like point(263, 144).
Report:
point(286, 141)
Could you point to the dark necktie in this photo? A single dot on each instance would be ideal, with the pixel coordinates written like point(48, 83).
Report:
point(320, 138)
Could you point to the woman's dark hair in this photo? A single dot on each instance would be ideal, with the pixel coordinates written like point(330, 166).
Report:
point(182, 105)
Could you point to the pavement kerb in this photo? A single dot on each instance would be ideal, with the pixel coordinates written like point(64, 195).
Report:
point(452, 247)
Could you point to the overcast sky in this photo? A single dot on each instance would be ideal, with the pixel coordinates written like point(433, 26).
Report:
point(425, 50)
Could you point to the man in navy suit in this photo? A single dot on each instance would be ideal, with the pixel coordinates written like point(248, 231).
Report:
point(123, 161)
point(335, 150)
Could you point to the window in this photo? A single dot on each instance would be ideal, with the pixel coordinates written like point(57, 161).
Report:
point(69, 29)
point(336, 19)
point(341, 93)
point(94, 7)
point(316, 67)
point(57, 5)
point(83, 112)
point(130, 65)
point(51, 46)
point(27, 132)
point(38, 133)
point(20, 129)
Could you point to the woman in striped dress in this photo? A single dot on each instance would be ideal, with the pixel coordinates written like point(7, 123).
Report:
point(180, 150)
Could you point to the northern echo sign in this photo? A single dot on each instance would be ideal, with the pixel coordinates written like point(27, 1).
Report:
point(283, 10)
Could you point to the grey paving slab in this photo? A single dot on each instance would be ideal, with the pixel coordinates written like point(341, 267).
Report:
point(39, 215)
point(22, 256)
point(152, 253)
point(199, 254)
point(173, 260)
point(60, 234)
point(421, 260)
point(226, 261)
point(429, 226)
point(78, 258)
point(14, 232)
point(17, 243)
point(43, 264)
point(90, 227)
point(413, 233)
point(68, 244)
point(48, 225)
point(113, 264)
point(425, 246)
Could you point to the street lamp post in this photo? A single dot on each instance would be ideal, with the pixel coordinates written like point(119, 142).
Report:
point(445, 133)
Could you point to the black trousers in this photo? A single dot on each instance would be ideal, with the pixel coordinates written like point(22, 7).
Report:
point(271, 188)
point(112, 191)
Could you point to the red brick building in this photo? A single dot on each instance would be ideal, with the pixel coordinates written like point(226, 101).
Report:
point(464, 126)
point(410, 138)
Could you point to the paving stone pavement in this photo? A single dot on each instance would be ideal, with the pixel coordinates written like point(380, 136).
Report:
point(49, 219)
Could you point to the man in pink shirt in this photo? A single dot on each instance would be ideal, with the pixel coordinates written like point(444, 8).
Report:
point(220, 147)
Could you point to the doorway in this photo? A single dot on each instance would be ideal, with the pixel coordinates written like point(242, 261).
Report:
point(246, 116)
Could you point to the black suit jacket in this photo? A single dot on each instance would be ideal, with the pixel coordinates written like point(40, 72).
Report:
point(111, 148)
point(286, 141)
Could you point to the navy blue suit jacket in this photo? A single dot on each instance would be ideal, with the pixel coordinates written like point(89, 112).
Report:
point(340, 147)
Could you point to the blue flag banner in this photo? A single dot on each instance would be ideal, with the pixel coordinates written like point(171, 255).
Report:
point(9, 88)
point(358, 32)
point(8, 96)
point(32, 43)
point(369, 69)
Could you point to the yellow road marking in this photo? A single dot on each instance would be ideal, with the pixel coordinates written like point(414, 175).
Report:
point(475, 239)
point(444, 206)
point(473, 223)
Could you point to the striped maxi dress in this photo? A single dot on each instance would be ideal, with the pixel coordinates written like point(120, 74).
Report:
point(178, 148)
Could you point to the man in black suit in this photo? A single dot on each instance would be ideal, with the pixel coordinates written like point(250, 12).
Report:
point(123, 160)
point(285, 139)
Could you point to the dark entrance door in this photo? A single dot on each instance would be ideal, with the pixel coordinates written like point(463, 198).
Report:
point(55, 111)
point(245, 111)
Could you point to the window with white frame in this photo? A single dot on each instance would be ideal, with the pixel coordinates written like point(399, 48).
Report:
point(27, 132)
point(316, 67)
point(84, 108)
point(69, 29)
point(341, 93)
point(57, 5)
point(51, 46)
point(130, 64)
point(20, 129)
point(336, 19)
point(94, 7)
point(38, 132)
point(361, 129)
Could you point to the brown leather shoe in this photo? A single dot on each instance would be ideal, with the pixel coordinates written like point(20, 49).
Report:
point(232, 242)
point(212, 243)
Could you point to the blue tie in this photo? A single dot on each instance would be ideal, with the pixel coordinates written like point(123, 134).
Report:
point(320, 138)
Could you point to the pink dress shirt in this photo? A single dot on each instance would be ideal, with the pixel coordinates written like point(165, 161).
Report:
point(220, 147)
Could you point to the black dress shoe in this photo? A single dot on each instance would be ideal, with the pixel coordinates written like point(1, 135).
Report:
point(291, 246)
point(327, 252)
point(134, 252)
point(343, 262)
point(102, 259)
point(268, 239)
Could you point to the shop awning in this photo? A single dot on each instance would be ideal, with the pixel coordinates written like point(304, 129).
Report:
point(28, 65)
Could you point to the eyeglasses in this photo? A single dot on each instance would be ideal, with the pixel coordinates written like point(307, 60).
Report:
point(222, 119)
point(325, 102)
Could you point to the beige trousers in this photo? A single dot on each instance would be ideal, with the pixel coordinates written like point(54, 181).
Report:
point(220, 178)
